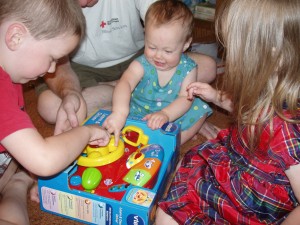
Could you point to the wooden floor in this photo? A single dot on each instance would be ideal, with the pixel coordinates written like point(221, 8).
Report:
point(38, 217)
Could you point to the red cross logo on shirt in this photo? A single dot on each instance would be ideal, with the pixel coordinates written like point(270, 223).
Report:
point(102, 25)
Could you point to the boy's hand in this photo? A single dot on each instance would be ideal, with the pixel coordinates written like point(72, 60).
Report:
point(100, 136)
point(156, 120)
point(114, 124)
point(71, 113)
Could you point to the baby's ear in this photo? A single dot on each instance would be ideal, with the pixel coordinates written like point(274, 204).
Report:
point(15, 34)
point(187, 44)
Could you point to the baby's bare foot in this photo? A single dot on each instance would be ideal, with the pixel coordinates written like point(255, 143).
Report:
point(208, 130)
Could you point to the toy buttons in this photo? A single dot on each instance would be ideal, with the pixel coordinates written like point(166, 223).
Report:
point(143, 164)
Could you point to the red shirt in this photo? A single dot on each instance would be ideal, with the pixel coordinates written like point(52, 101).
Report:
point(12, 114)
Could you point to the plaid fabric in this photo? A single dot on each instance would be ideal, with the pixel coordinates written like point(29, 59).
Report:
point(219, 182)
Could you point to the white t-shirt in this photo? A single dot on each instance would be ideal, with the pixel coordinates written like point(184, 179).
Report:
point(113, 34)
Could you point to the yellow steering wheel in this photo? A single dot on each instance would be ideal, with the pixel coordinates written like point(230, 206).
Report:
point(101, 156)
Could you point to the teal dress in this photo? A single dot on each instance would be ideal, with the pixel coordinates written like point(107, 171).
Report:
point(149, 97)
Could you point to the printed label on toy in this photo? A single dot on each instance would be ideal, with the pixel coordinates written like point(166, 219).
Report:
point(76, 207)
point(97, 118)
point(140, 197)
point(135, 220)
point(169, 128)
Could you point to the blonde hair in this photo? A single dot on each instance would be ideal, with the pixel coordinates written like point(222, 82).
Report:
point(167, 11)
point(45, 19)
point(262, 72)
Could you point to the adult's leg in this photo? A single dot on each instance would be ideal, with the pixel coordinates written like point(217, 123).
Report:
point(48, 104)
point(98, 97)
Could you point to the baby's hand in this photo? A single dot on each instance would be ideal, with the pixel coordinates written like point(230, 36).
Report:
point(114, 124)
point(156, 120)
point(100, 136)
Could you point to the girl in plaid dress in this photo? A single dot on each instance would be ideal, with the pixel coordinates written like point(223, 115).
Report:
point(249, 174)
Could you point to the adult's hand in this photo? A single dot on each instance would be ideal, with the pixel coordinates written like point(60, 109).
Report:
point(71, 113)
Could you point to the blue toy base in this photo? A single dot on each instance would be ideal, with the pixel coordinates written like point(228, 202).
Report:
point(126, 203)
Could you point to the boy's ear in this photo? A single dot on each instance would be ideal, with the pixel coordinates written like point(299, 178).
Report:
point(15, 34)
point(187, 44)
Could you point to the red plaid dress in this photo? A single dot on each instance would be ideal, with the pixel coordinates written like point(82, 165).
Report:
point(219, 182)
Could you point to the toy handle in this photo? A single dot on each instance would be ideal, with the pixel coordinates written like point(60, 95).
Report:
point(142, 138)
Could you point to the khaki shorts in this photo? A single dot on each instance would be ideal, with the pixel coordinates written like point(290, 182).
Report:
point(89, 76)
point(8, 167)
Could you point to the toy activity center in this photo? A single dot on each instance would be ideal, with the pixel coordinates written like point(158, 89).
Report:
point(113, 185)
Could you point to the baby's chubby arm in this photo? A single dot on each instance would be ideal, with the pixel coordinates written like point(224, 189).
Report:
point(48, 156)
point(121, 99)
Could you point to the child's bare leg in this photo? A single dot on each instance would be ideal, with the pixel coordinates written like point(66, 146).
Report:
point(14, 199)
point(164, 219)
point(209, 131)
point(186, 135)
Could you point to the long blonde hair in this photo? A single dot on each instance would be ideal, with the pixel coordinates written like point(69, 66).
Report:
point(262, 66)
point(45, 19)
